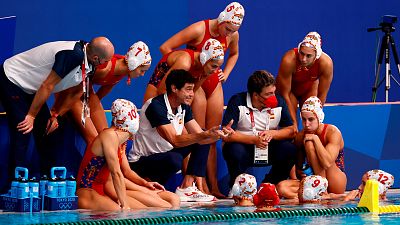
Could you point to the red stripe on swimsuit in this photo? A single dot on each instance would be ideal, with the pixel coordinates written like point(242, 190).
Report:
point(340, 158)
point(110, 78)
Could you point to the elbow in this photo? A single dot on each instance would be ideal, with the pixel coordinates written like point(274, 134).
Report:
point(47, 87)
point(117, 174)
point(164, 50)
point(175, 144)
point(326, 164)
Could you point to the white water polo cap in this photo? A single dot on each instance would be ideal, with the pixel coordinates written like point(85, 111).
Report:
point(125, 116)
point(233, 13)
point(314, 105)
point(313, 187)
point(138, 55)
point(312, 40)
point(245, 186)
point(384, 179)
point(211, 50)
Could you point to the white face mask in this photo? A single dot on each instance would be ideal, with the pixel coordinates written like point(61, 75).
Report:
point(125, 116)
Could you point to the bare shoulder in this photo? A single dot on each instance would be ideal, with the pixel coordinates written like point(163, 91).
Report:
point(325, 60)
point(181, 58)
point(289, 59)
point(333, 132)
point(333, 128)
point(197, 28)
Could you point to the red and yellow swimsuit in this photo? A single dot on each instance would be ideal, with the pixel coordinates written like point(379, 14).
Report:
point(93, 171)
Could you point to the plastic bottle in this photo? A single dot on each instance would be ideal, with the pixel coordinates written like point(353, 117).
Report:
point(34, 187)
point(307, 170)
point(52, 188)
point(43, 185)
point(62, 188)
point(14, 187)
point(71, 186)
point(23, 189)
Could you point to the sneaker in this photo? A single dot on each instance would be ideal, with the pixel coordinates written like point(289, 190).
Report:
point(192, 194)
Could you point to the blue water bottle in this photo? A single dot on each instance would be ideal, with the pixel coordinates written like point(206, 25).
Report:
point(52, 188)
point(34, 187)
point(307, 170)
point(58, 186)
point(14, 187)
point(23, 189)
point(43, 185)
point(62, 188)
point(71, 186)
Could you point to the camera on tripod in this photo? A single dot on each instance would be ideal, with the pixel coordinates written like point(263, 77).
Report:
point(387, 43)
point(389, 19)
point(386, 25)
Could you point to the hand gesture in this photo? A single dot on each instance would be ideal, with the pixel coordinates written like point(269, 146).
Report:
point(267, 135)
point(26, 125)
point(261, 142)
point(154, 186)
point(309, 137)
point(227, 130)
point(221, 75)
point(52, 125)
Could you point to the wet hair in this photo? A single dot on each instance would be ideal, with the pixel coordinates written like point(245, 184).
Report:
point(178, 78)
point(258, 80)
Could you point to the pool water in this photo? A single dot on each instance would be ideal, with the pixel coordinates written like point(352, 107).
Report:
point(219, 207)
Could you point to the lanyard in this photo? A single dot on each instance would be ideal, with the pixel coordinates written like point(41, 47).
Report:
point(253, 123)
point(85, 88)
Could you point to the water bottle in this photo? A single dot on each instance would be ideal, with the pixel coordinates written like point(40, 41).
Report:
point(34, 187)
point(14, 187)
point(23, 189)
point(43, 185)
point(71, 186)
point(59, 185)
point(62, 188)
point(52, 188)
point(307, 170)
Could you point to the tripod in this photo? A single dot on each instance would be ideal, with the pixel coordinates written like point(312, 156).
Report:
point(387, 41)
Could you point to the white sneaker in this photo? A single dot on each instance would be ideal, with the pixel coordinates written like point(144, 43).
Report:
point(192, 194)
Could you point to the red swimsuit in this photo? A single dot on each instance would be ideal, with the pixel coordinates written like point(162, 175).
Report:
point(93, 171)
point(163, 67)
point(304, 78)
point(211, 82)
point(340, 158)
point(110, 78)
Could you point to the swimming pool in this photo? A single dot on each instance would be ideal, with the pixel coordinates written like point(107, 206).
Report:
point(216, 213)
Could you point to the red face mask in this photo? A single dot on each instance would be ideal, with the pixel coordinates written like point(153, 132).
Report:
point(271, 102)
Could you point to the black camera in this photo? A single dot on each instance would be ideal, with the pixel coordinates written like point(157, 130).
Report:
point(389, 19)
point(386, 25)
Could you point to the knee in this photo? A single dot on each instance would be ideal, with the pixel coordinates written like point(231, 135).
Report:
point(174, 161)
point(234, 152)
point(174, 200)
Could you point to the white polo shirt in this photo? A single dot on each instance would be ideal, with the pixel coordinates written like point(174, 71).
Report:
point(157, 112)
point(239, 108)
point(29, 69)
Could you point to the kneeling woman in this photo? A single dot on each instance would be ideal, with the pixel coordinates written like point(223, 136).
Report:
point(321, 145)
point(105, 156)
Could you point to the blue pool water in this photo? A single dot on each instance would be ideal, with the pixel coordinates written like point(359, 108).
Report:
point(212, 208)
